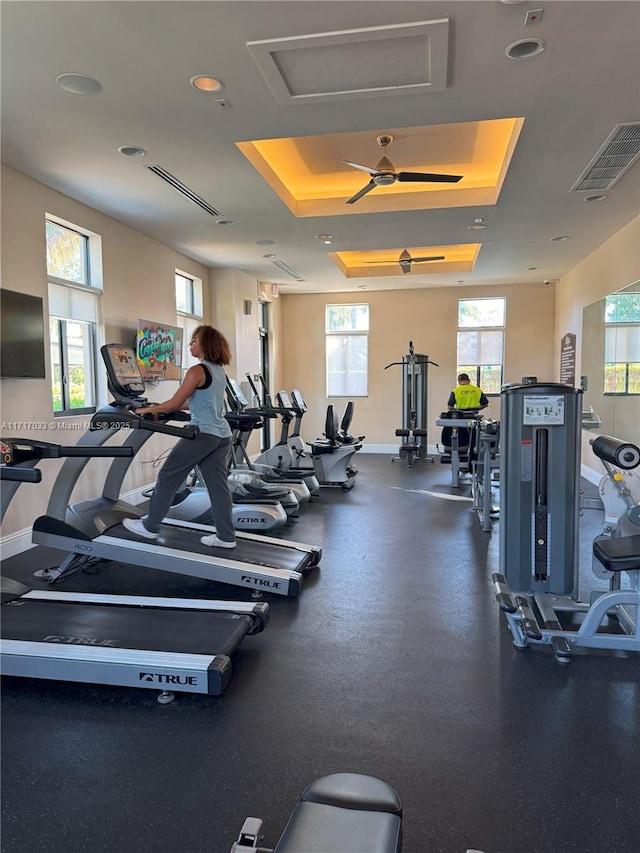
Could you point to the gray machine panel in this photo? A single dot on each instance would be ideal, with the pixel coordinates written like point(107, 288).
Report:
point(539, 485)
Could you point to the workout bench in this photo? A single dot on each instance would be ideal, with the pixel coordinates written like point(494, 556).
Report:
point(337, 813)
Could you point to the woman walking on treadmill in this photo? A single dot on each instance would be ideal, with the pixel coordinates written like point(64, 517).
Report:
point(203, 389)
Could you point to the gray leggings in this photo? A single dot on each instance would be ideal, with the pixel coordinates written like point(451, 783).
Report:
point(211, 454)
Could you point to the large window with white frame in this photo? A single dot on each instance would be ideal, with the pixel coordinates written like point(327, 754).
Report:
point(189, 311)
point(74, 271)
point(347, 348)
point(481, 324)
point(622, 344)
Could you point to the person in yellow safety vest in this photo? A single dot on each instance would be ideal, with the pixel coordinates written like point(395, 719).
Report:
point(467, 396)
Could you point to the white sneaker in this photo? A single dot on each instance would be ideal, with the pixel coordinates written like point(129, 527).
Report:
point(136, 525)
point(213, 542)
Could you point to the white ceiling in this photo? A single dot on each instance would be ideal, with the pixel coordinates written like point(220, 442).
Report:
point(571, 96)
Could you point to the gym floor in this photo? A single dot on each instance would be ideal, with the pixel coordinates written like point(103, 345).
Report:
point(395, 661)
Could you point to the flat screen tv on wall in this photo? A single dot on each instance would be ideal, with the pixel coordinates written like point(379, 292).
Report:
point(21, 336)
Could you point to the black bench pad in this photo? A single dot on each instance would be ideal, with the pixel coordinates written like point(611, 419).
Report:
point(345, 812)
point(353, 791)
point(318, 828)
point(619, 554)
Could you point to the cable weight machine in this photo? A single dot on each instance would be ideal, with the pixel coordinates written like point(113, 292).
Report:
point(414, 445)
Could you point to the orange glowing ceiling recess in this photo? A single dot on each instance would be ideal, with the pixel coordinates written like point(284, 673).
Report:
point(307, 173)
point(459, 258)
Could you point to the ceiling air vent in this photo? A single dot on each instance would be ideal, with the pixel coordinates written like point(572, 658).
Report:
point(288, 270)
point(184, 189)
point(619, 153)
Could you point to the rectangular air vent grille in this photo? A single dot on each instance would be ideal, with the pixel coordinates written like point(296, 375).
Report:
point(619, 153)
point(285, 268)
point(184, 189)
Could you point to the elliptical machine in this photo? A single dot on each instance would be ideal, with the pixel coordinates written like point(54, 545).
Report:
point(280, 457)
point(413, 432)
point(244, 420)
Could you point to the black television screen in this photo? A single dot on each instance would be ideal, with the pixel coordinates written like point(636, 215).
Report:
point(21, 336)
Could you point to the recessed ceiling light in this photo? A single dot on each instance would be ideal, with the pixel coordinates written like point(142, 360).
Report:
point(533, 268)
point(270, 255)
point(78, 84)
point(525, 48)
point(559, 239)
point(206, 83)
point(265, 242)
point(460, 281)
point(224, 222)
point(131, 151)
point(594, 198)
point(477, 226)
point(362, 287)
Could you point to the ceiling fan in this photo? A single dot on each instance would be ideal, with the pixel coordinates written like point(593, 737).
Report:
point(385, 174)
point(405, 260)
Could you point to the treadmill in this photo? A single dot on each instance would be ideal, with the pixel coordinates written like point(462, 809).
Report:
point(167, 644)
point(93, 528)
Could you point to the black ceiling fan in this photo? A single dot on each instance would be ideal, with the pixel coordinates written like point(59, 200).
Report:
point(385, 174)
point(405, 260)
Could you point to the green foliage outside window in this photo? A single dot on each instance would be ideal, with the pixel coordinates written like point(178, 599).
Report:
point(66, 253)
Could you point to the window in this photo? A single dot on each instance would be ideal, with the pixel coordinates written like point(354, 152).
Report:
point(622, 344)
point(347, 342)
point(481, 341)
point(188, 311)
point(74, 275)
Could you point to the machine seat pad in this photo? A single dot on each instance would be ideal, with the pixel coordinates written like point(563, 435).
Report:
point(619, 554)
point(353, 791)
point(319, 447)
point(319, 828)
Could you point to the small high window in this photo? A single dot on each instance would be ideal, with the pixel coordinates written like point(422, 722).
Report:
point(347, 345)
point(481, 341)
point(189, 311)
point(622, 344)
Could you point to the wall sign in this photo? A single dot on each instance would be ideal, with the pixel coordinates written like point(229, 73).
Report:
point(568, 359)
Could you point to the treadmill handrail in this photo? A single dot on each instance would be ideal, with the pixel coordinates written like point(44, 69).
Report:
point(118, 417)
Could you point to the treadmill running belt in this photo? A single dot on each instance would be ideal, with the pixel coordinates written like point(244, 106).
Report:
point(247, 551)
point(148, 629)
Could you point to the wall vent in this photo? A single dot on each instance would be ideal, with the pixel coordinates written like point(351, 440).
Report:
point(619, 152)
point(170, 179)
point(285, 268)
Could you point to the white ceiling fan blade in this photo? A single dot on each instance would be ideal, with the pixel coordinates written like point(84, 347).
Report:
point(362, 168)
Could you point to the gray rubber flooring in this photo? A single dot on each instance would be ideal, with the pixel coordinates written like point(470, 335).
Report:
point(394, 661)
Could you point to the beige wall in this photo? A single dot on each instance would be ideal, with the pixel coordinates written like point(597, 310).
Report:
point(612, 266)
point(429, 319)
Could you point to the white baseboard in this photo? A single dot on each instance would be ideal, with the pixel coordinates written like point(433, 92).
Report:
point(20, 540)
point(392, 449)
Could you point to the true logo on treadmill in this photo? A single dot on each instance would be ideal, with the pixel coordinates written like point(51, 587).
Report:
point(78, 641)
point(253, 581)
point(165, 678)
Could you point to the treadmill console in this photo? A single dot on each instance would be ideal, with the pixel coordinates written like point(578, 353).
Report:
point(123, 372)
point(235, 395)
